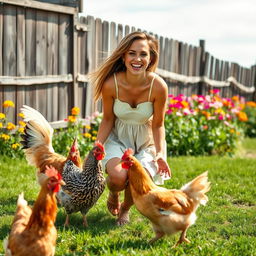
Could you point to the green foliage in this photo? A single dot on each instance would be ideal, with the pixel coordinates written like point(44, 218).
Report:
point(250, 128)
point(224, 227)
point(85, 134)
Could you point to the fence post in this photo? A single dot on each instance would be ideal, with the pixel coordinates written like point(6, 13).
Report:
point(202, 65)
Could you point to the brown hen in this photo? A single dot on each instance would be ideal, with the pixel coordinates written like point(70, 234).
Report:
point(37, 143)
point(169, 210)
point(33, 231)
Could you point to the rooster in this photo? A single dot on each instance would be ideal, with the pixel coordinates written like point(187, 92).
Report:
point(83, 187)
point(37, 143)
point(169, 210)
point(33, 231)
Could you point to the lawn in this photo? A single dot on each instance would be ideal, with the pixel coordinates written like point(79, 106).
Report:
point(225, 226)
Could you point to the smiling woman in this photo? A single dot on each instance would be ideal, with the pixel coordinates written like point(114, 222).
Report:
point(134, 103)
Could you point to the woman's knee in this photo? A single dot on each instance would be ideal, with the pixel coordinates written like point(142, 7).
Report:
point(116, 175)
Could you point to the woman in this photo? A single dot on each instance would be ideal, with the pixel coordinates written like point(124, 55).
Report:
point(134, 103)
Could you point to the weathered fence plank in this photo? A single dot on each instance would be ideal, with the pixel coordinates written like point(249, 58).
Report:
point(52, 65)
point(30, 55)
point(9, 55)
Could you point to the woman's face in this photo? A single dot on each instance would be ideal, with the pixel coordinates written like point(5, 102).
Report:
point(137, 58)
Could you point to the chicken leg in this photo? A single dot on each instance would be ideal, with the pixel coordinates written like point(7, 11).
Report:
point(158, 236)
point(182, 238)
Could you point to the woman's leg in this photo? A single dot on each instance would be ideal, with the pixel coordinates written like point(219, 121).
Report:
point(116, 182)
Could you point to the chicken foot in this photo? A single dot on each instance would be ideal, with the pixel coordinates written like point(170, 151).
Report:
point(182, 238)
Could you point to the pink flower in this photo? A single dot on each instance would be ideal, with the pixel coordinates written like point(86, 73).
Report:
point(220, 117)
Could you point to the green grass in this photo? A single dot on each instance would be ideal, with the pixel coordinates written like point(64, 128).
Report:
point(225, 226)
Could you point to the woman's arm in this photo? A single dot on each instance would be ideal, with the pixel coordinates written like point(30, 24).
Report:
point(158, 129)
point(108, 119)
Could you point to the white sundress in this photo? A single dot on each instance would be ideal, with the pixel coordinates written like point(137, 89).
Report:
point(133, 129)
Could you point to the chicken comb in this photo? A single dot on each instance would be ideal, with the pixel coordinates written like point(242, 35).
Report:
point(52, 172)
point(127, 153)
point(74, 146)
point(99, 144)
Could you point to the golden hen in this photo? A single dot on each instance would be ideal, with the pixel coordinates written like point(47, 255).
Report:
point(37, 143)
point(169, 210)
point(33, 231)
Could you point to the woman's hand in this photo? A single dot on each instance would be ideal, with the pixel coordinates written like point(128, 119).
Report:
point(163, 167)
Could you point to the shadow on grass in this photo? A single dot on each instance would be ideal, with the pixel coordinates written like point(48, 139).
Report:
point(98, 222)
point(4, 231)
point(114, 246)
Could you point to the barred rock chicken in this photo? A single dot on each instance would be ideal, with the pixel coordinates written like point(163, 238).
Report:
point(169, 210)
point(83, 187)
point(33, 231)
point(37, 143)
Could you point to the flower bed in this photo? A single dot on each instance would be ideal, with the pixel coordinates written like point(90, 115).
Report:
point(195, 125)
point(204, 125)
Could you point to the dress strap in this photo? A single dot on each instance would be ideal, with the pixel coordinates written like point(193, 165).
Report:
point(116, 85)
point(150, 90)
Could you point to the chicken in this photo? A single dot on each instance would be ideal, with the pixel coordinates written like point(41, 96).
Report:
point(83, 187)
point(33, 231)
point(37, 143)
point(169, 210)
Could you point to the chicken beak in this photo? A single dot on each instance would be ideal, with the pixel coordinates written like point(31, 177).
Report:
point(62, 183)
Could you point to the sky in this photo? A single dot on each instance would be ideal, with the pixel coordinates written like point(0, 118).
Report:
point(227, 26)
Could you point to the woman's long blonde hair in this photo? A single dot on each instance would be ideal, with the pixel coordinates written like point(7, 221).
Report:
point(114, 63)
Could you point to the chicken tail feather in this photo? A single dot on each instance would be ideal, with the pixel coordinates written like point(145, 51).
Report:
point(38, 133)
point(21, 201)
point(197, 188)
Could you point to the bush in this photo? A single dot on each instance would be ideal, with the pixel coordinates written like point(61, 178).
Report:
point(85, 134)
point(204, 125)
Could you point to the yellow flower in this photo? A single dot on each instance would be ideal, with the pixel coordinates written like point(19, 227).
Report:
point(87, 135)
point(15, 145)
point(21, 123)
point(206, 114)
point(2, 116)
point(75, 111)
point(242, 116)
point(10, 126)
point(232, 130)
point(235, 98)
point(72, 119)
point(1, 125)
point(88, 127)
point(94, 138)
point(8, 103)
point(241, 106)
point(5, 136)
point(172, 101)
point(21, 115)
point(21, 130)
point(184, 104)
point(94, 132)
point(251, 104)
point(220, 111)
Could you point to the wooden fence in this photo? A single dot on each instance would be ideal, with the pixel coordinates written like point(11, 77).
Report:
point(48, 50)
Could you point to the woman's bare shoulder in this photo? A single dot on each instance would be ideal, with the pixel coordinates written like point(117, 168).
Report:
point(160, 85)
point(109, 86)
